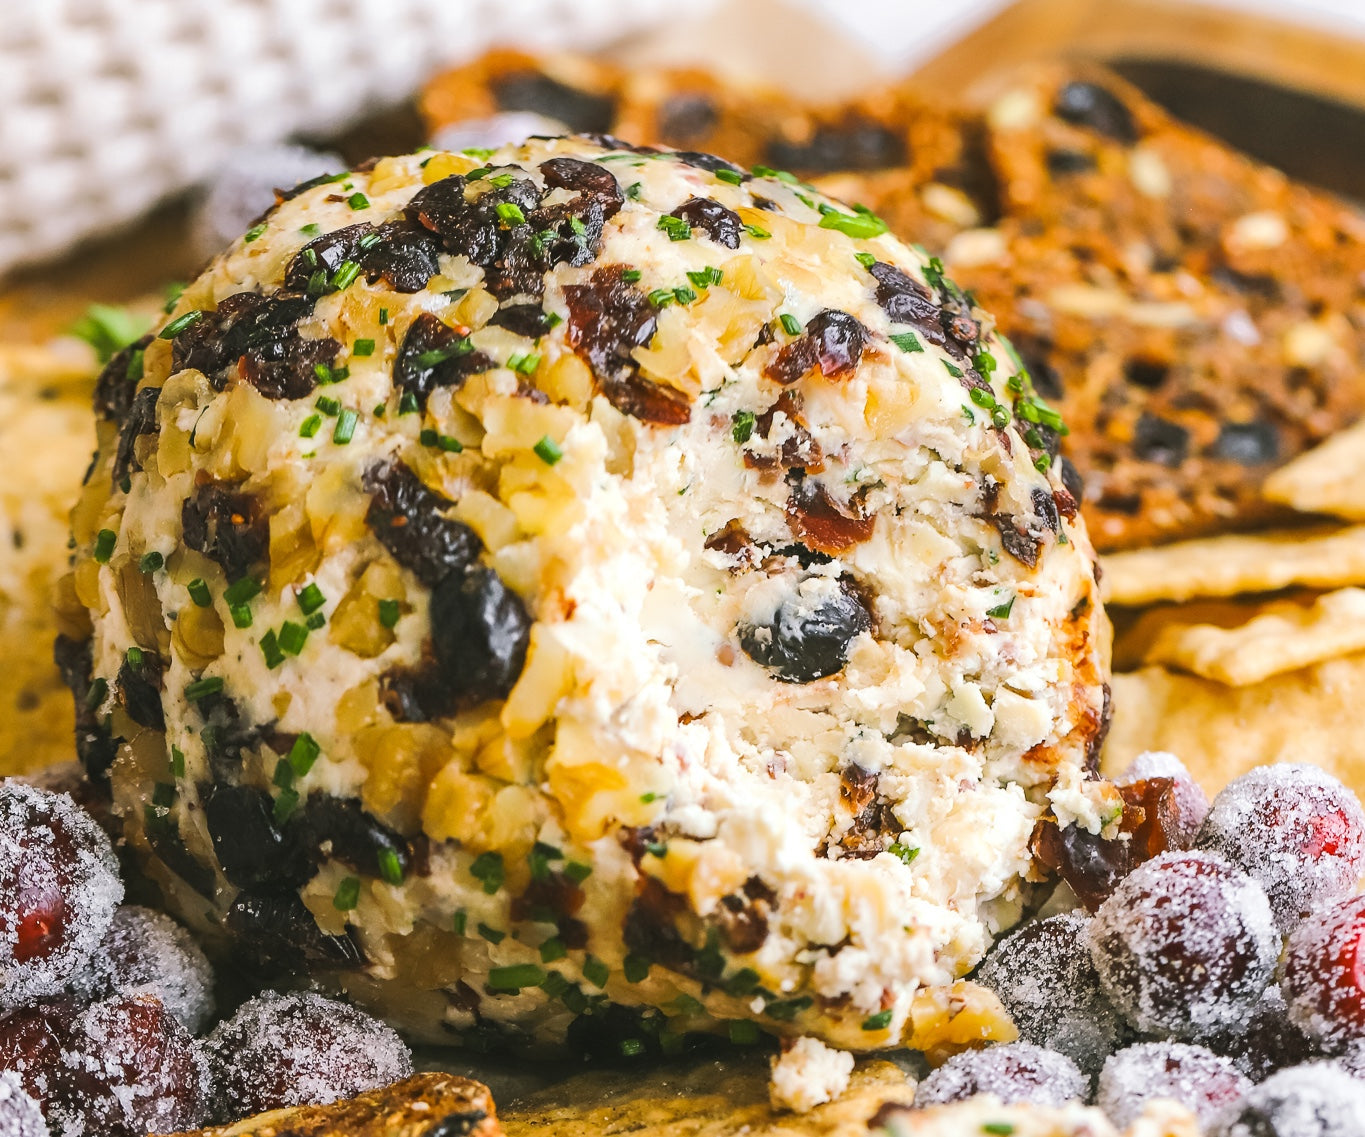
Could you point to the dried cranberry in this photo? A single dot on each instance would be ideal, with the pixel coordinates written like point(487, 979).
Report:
point(118, 381)
point(328, 827)
point(1159, 440)
point(408, 518)
point(529, 320)
point(132, 1070)
point(1185, 945)
point(722, 225)
point(1313, 1100)
point(581, 111)
point(274, 933)
point(1197, 1078)
point(833, 340)
point(1293, 828)
point(709, 162)
point(279, 1051)
point(1015, 1073)
point(95, 746)
point(821, 523)
point(1088, 104)
point(809, 634)
point(1021, 544)
point(1185, 806)
point(855, 143)
point(314, 265)
point(1044, 976)
point(139, 688)
point(591, 179)
point(139, 421)
point(227, 525)
point(59, 886)
point(433, 354)
point(479, 631)
point(251, 851)
point(1323, 977)
point(796, 447)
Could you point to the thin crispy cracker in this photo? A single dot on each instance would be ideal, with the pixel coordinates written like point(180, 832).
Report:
point(1237, 563)
point(1283, 636)
point(1327, 479)
point(1221, 732)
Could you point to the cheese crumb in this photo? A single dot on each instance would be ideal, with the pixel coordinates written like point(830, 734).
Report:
point(809, 1073)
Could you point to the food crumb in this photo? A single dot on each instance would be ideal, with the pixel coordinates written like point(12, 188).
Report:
point(808, 1073)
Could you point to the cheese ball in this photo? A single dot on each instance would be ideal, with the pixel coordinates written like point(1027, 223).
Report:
point(577, 585)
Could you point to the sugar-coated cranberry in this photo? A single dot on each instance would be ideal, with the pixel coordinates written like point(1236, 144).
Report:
point(1196, 1077)
point(59, 885)
point(1314, 1100)
point(20, 1114)
point(1295, 830)
point(1191, 804)
point(34, 1040)
point(1267, 1042)
point(300, 1049)
point(1323, 975)
point(1044, 975)
point(1185, 945)
point(1016, 1072)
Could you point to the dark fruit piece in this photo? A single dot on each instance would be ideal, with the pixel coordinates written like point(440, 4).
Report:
point(300, 1049)
point(479, 631)
point(117, 382)
point(906, 301)
point(1294, 829)
point(132, 1069)
point(1096, 107)
point(809, 634)
point(139, 690)
point(227, 525)
point(328, 827)
point(833, 341)
point(581, 111)
point(1159, 440)
point(140, 420)
point(1045, 977)
point(146, 952)
point(1268, 1042)
point(95, 746)
point(433, 354)
point(686, 117)
point(408, 518)
point(59, 886)
point(1314, 1100)
point(529, 320)
point(277, 935)
point(823, 524)
point(852, 144)
point(591, 179)
point(251, 851)
point(34, 1040)
point(1187, 802)
point(1323, 975)
point(1197, 1078)
point(20, 1114)
point(1185, 945)
point(1016, 1073)
point(1252, 443)
point(719, 223)
point(608, 319)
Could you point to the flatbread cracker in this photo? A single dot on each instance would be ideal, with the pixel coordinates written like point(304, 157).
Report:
point(1284, 636)
point(1237, 563)
point(1327, 479)
point(1221, 732)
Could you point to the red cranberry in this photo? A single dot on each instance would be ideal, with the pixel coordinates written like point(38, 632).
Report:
point(33, 1043)
point(300, 1049)
point(1268, 1042)
point(1314, 1100)
point(1323, 976)
point(59, 885)
point(1295, 830)
point(1017, 1072)
point(20, 1114)
point(1195, 1077)
point(1185, 945)
point(1044, 975)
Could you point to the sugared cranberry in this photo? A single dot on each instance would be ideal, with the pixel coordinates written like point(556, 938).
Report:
point(59, 885)
point(146, 952)
point(1185, 945)
point(1192, 1075)
point(1315, 1100)
point(34, 1040)
point(132, 1069)
point(1323, 977)
point(1268, 1041)
point(1294, 829)
point(1017, 1072)
point(1045, 977)
point(1190, 803)
point(300, 1049)
point(20, 1114)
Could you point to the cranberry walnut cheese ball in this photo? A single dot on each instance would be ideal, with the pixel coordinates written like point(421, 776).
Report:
point(528, 583)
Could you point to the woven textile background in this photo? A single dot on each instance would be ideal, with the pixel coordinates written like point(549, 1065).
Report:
point(108, 106)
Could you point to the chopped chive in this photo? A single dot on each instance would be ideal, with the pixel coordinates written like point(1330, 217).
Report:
point(179, 324)
point(358, 200)
point(309, 427)
point(327, 375)
point(548, 451)
point(515, 977)
point(429, 437)
point(270, 648)
point(743, 428)
point(706, 277)
point(555, 985)
point(460, 922)
point(482, 153)
point(151, 562)
point(509, 214)
point(500, 181)
point(998, 1128)
point(686, 1004)
point(984, 362)
point(135, 361)
point(327, 406)
point(539, 859)
point(199, 592)
point(907, 853)
point(982, 398)
point(284, 774)
point(553, 319)
point(303, 753)
point(99, 691)
point(742, 982)
point(310, 230)
point(676, 228)
point(388, 613)
point(202, 688)
point(523, 363)
point(347, 894)
point(177, 762)
point(733, 177)
point(632, 1047)
point(646, 798)
point(478, 173)
point(784, 1010)
point(241, 615)
point(292, 637)
point(743, 1032)
point(634, 190)
point(577, 871)
point(345, 275)
point(310, 599)
point(757, 232)
point(867, 260)
point(952, 368)
point(105, 540)
point(635, 968)
point(441, 354)
point(1042, 463)
point(345, 428)
point(1000, 418)
point(662, 297)
point(317, 283)
point(595, 971)
point(631, 276)
point(492, 935)
point(362, 347)
point(860, 225)
point(880, 1021)
point(790, 324)
point(407, 405)
point(315, 621)
point(383, 316)
point(390, 867)
point(254, 233)
point(239, 592)
point(134, 656)
point(553, 949)
point(488, 869)
point(684, 295)
point(907, 341)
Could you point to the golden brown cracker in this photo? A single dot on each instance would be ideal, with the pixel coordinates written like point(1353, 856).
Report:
point(1327, 479)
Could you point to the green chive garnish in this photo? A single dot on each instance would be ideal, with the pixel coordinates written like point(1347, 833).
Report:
point(595, 971)
point(303, 753)
point(199, 592)
point(347, 894)
point(239, 592)
point(509, 214)
point(358, 200)
point(860, 225)
point(390, 867)
point(362, 347)
point(151, 562)
point(388, 613)
point(105, 540)
point(516, 977)
point(270, 648)
point(548, 451)
point(202, 688)
point(907, 341)
point(345, 428)
point(310, 599)
point(292, 637)
point(880, 1021)
point(179, 324)
point(488, 868)
point(731, 176)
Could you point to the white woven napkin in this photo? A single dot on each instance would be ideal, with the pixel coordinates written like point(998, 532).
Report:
point(108, 106)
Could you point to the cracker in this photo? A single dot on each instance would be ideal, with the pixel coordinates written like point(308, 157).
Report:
point(1283, 637)
point(1237, 563)
point(1327, 479)
point(1221, 732)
